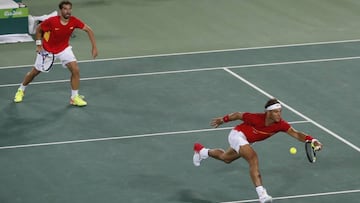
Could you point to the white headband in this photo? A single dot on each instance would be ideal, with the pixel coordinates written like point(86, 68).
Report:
point(274, 106)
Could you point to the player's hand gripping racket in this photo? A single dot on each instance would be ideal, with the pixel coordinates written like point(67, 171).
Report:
point(47, 60)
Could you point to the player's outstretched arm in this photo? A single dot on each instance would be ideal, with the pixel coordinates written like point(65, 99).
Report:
point(302, 137)
point(216, 122)
point(89, 31)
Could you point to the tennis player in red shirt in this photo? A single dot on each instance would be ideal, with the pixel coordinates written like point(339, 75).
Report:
point(255, 127)
point(53, 36)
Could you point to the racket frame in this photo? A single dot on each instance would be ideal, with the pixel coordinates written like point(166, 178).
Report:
point(310, 151)
point(44, 55)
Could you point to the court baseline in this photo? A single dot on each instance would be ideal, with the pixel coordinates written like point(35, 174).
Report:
point(300, 196)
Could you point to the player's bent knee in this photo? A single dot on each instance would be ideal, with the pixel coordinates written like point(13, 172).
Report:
point(74, 71)
point(254, 162)
point(226, 160)
point(73, 66)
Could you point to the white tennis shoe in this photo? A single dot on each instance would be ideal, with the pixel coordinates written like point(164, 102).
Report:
point(197, 157)
point(265, 199)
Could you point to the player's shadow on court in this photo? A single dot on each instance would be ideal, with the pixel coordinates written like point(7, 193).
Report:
point(18, 122)
point(187, 195)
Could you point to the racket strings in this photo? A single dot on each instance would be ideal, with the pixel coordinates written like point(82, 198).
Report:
point(47, 60)
point(310, 152)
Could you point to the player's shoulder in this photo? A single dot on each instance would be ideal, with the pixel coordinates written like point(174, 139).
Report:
point(52, 18)
point(76, 22)
point(251, 115)
point(256, 114)
point(74, 18)
point(286, 125)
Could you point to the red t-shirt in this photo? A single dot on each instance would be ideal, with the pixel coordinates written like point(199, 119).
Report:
point(254, 127)
point(56, 35)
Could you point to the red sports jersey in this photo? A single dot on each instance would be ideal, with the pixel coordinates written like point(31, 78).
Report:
point(56, 35)
point(254, 127)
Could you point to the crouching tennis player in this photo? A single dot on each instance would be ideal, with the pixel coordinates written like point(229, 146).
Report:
point(52, 36)
point(255, 127)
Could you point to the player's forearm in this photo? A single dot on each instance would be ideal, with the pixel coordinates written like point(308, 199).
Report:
point(216, 122)
point(302, 137)
point(38, 40)
point(38, 33)
point(309, 138)
point(232, 117)
point(298, 135)
point(91, 37)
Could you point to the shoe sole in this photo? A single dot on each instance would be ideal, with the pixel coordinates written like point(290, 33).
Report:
point(268, 200)
point(78, 105)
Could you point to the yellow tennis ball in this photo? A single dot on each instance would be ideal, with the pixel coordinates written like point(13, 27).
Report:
point(293, 150)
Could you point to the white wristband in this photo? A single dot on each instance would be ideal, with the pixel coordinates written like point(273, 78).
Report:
point(38, 42)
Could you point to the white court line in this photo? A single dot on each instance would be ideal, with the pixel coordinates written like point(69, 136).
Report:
point(125, 137)
point(193, 70)
point(295, 111)
point(300, 196)
point(202, 52)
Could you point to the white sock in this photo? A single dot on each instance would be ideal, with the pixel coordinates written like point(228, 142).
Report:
point(261, 191)
point(74, 93)
point(22, 87)
point(204, 153)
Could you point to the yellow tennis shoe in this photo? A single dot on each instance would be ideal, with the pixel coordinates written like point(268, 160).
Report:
point(78, 100)
point(19, 96)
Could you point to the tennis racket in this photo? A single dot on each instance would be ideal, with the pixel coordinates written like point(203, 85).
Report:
point(310, 151)
point(47, 60)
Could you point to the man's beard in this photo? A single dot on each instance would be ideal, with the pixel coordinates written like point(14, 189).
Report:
point(66, 16)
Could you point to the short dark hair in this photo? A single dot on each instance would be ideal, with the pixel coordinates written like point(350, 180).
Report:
point(62, 3)
point(271, 102)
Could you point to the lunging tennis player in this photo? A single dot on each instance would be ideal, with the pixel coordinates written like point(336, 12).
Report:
point(255, 127)
point(53, 36)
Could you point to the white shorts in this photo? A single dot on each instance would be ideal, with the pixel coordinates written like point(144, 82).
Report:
point(65, 57)
point(237, 139)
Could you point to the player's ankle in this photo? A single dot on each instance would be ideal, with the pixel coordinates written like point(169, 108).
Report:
point(261, 191)
point(22, 87)
point(74, 93)
point(204, 153)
